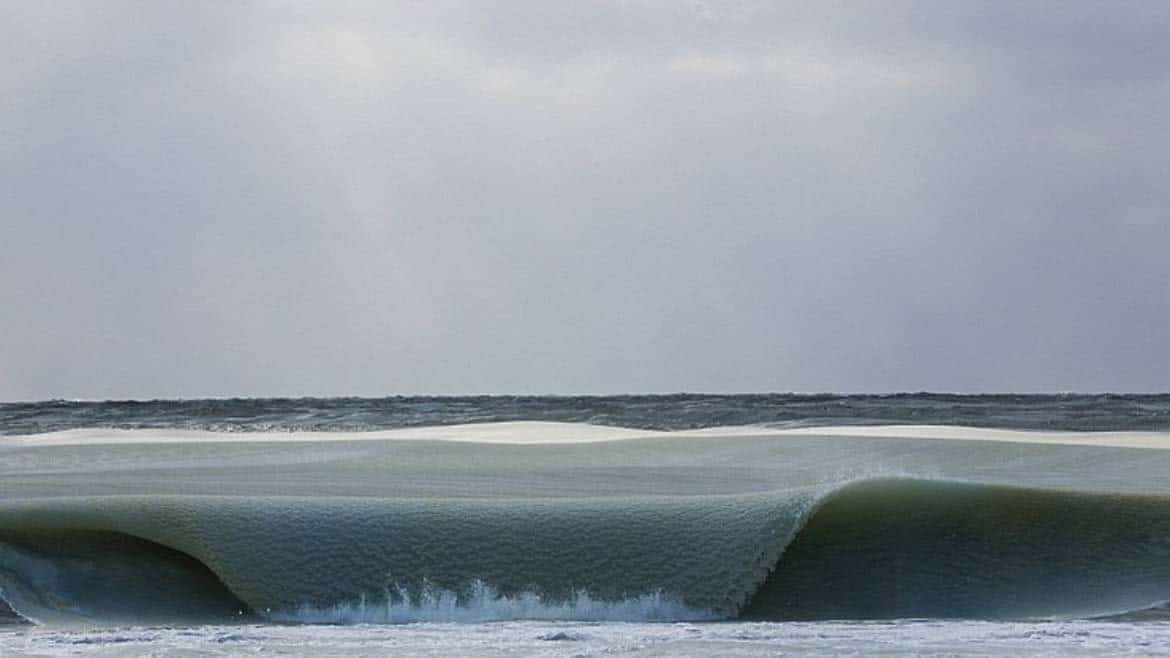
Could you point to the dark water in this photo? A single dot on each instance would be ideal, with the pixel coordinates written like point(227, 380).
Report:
point(668, 412)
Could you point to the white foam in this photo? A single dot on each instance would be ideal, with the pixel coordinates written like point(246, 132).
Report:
point(542, 432)
point(524, 432)
point(485, 604)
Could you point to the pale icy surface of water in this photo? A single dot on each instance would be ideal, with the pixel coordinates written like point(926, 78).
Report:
point(568, 639)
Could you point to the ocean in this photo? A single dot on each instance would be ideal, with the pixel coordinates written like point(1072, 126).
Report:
point(692, 525)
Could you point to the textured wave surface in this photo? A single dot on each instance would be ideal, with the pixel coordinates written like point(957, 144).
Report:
point(660, 412)
point(690, 527)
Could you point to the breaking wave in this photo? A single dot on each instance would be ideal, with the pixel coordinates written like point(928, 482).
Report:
point(482, 603)
point(868, 549)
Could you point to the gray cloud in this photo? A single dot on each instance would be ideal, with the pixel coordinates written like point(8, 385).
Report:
point(440, 197)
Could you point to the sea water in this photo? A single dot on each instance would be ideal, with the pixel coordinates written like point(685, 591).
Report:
point(681, 525)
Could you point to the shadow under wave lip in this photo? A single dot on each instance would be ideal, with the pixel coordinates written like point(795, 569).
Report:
point(82, 577)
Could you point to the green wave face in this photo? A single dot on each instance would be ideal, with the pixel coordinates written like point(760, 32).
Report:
point(874, 549)
point(912, 548)
point(763, 529)
point(704, 556)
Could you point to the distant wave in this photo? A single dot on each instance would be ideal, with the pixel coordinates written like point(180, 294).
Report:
point(873, 548)
point(1086, 412)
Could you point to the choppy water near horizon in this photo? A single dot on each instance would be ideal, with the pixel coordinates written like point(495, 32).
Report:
point(1069, 411)
point(727, 525)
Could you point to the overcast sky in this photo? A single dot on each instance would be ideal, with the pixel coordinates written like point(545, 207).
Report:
point(199, 199)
